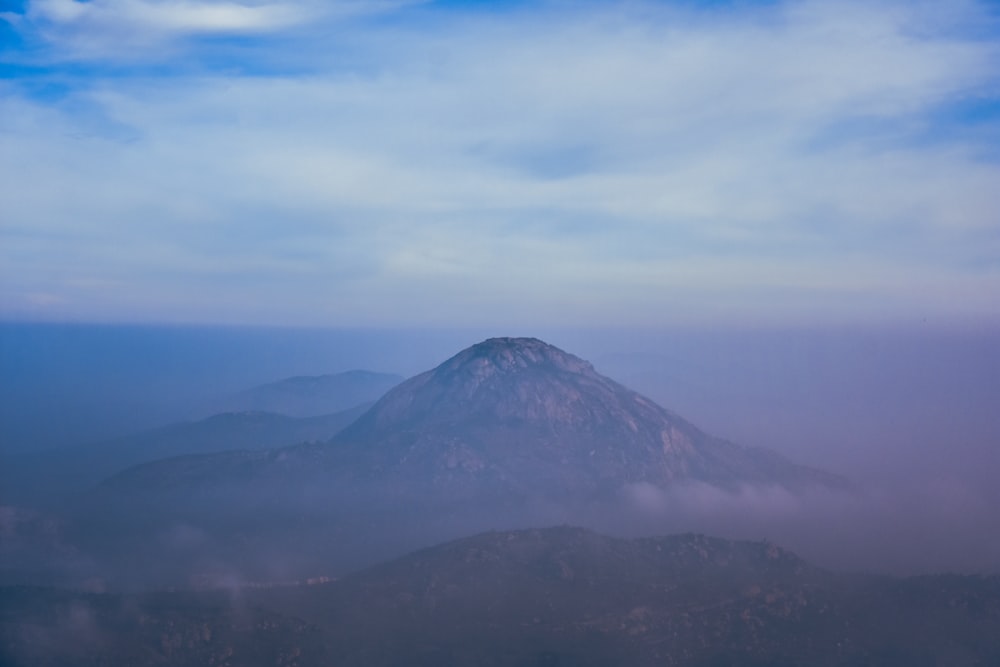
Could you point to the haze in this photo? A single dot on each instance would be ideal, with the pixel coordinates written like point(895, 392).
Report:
point(907, 415)
point(775, 218)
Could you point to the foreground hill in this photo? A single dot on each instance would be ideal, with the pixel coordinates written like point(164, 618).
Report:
point(555, 596)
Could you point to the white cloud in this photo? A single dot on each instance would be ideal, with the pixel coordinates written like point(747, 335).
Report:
point(168, 15)
point(128, 30)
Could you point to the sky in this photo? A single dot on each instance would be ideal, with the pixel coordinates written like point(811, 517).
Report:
point(402, 163)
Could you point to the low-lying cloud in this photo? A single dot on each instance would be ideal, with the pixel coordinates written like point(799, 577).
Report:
point(890, 529)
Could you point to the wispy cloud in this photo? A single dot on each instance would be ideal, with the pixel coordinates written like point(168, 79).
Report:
point(640, 162)
point(113, 30)
point(165, 16)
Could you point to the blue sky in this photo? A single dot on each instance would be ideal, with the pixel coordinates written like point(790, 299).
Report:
point(394, 163)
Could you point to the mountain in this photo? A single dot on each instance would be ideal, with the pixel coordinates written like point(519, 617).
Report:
point(312, 395)
point(519, 415)
point(39, 477)
point(552, 596)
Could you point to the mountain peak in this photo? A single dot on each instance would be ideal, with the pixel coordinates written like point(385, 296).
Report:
point(498, 381)
point(505, 355)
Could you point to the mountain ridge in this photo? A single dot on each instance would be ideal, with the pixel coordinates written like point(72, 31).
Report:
point(47, 475)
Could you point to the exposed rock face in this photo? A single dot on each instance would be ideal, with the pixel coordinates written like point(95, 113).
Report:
point(517, 414)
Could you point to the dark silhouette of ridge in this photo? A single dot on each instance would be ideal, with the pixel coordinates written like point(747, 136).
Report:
point(550, 596)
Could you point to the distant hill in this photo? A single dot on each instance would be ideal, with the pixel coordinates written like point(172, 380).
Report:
point(40, 477)
point(286, 412)
point(553, 596)
point(312, 395)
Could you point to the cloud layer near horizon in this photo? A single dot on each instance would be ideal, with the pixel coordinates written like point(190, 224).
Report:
point(393, 163)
